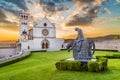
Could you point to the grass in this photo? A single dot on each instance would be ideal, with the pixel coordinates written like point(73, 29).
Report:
point(41, 66)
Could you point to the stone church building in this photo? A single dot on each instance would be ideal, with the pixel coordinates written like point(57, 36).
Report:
point(41, 37)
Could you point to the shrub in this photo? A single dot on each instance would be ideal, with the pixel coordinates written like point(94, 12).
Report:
point(104, 62)
point(84, 67)
point(63, 65)
point(70, 65)
point(73, 65)
point(93, 66)
point(97, 57)
point(109, 56)
point(62, 60)
point(97, 66)
point(101, 66)
point(58, 65)
point(76, 65)
point(116, 55)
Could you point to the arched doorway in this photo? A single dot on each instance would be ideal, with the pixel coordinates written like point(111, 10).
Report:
point(45, 44)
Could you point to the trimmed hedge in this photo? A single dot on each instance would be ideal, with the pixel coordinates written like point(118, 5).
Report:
point(98, 66)
point(106, 50)
point(14, 60)
point(117, 56)
point(92, 66)
point(68, 65)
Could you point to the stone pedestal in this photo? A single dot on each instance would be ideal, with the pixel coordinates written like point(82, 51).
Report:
point(72, 59)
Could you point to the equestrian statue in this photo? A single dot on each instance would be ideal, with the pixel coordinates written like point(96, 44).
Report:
point(83, 49)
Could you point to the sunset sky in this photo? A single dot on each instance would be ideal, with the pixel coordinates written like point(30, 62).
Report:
point(95, 17)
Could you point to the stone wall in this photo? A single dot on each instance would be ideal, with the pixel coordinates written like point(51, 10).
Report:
point(108, 45)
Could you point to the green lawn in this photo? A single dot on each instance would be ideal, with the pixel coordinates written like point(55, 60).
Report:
point(41, 66)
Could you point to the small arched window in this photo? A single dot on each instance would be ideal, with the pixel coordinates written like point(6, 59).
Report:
point(21, 16)
point(45, 24)
point(62, 46)
point(26, 17)
point(28, 47)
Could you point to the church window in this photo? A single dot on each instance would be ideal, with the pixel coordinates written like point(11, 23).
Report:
point(45, 44)
point(28, 47)
point(62, 46)
point(24, 32)
point(45, 32)
point(23, 23)
point(21, 16)
point(26, 17)
point(45, 24)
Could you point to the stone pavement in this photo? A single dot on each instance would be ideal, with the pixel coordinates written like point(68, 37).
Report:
point(7, 51)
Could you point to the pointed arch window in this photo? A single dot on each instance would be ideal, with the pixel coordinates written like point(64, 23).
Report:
point(45, 44)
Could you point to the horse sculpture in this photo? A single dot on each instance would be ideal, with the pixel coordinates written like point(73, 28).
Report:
point(83, 48)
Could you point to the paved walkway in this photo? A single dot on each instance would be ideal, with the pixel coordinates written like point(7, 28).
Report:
point(7, 51)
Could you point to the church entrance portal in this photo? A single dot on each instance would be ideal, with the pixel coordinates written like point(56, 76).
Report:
point(45, 44)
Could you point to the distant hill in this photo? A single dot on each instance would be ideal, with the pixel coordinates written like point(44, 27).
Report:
point(102, 38)
point(108, 37)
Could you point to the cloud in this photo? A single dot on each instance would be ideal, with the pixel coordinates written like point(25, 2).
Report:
point(49, 6)
point(81, 1)
point(61, 8)
point(19, 3)
point(77, 20)
point(12, 6)
point(53, 6)
point(9, 26)
point(118, 1)
point(89, 9)
point(105, 10)
point(6, 20)
point(103, 20)
point(3, 17)
point(30, 2)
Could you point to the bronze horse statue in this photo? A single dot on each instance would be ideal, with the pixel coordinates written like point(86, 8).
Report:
point(83, 48)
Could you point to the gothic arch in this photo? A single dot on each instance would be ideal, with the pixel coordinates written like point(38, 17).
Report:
point(45, 44)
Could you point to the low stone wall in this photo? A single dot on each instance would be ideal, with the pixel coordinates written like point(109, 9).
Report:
point(14, 58)
point(108, 45)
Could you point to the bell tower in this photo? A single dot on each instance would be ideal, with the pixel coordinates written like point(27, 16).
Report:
point(24, 25)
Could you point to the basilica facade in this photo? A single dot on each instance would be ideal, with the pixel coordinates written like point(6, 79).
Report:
point(42, 36)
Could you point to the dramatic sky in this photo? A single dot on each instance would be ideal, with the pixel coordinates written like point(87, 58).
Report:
point(94, 17)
